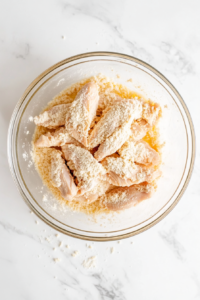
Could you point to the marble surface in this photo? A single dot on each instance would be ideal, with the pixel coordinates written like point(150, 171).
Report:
point(161, 263)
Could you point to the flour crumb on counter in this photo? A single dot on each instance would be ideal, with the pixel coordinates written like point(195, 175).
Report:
point(112, 250)
point(75, 253)
point(89, 262)
point(119, 242)
point(60, 244)
point(67, 246)
point(37, 222)
point(57, 260)
point(130, 80)
point(57, 235)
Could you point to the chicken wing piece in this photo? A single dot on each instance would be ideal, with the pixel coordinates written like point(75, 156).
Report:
point(62, 178)
point(139, 129)
point(117, 180)
point(126, 197)
point(92, 195)
point(108, 99)
point(82, 111)
point(114, 117)
point(58, 138)
point(122, 172)
point(150, 113)
point(84, 166)
point(113, 142)
point(53, 117)
point(86, 198)
point(140, 152)
point(147, 174)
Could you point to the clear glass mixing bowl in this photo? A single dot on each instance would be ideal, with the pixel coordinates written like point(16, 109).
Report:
point(176, 130)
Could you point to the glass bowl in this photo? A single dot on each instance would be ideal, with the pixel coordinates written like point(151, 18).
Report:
point(176, 130)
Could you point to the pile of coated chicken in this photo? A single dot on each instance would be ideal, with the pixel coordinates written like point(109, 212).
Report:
point(112, 152)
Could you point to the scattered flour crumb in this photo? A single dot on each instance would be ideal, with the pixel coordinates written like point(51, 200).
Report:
point(67, 246)
point(90, 262)
point(130, 80)
point(25, 155)
point(75, 253)
point(48, 239)
point(63, 37)
point(57, 235)
point(60, 244)
point(54, 207)
point(119, 242)
point(30, 163)
point(44, 198)
point(57, 260)
point(111, 249)
point(30, 119)
point(36, 222)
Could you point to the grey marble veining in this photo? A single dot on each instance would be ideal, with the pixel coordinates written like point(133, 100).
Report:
point(161, 263)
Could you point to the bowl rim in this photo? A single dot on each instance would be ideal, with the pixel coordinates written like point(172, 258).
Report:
point(167, 82)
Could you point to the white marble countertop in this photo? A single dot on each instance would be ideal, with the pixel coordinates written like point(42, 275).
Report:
point(161, 263)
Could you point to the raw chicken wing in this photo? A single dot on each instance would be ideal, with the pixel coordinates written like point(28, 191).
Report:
point(53, 117)
point(126, 197)
point(139, 129)
point(82, 111)
point(58, 138)
point(150, 113)
point(92, 195)
point(140, 152)
point(113, 142)
point(62, 178)
point(84, 166)
point(114, 117)
point(122, 172)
